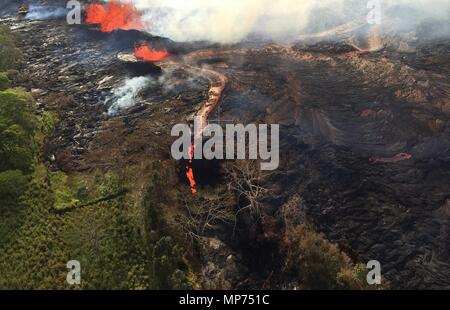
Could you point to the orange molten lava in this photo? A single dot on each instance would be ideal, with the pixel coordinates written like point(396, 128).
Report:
point(114, 15)
point(190, 175)
point(189, 171)
point(147, 53)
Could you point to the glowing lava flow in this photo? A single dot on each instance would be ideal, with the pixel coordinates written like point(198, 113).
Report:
point(189, 171)
point(113, 16)
point(147, 53)
point(218, 83)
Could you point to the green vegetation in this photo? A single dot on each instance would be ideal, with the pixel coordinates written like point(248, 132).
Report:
point(114, 252)
point(168, 269)
point(18, 126)
point(10, 54)
point(47, 121)
point(4, 81)
point(12, 184)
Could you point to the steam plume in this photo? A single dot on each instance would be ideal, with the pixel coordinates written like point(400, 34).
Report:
point(40, 12)
point(124, 97)
point(230, 21)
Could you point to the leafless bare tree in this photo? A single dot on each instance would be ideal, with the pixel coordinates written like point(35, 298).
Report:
point(202, 215)
point(245, 178)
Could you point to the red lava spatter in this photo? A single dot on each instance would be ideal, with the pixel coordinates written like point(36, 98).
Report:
point(114, 16)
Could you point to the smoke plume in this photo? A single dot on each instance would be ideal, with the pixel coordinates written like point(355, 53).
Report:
point(125, 96)
point(231, 21)
point(40, 12)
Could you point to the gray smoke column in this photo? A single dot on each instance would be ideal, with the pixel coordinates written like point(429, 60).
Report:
point(41, 12)
point(125, 96)
point(231, 21)
point(227, 21)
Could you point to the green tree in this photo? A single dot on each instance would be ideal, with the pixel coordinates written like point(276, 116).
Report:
point(10, 55)
point(18, 107)
point(18, 124)
point(4, 81)
point(169, 269)
point(12, 184)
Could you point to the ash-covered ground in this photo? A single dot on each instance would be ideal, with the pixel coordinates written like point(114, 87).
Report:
point(365, 141)
point(365, 137)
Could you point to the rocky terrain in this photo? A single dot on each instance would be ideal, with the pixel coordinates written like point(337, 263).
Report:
point(364, 142)
point(365, 138)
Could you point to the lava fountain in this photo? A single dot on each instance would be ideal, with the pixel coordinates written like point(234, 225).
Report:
point(114, 16)
point(145, 52)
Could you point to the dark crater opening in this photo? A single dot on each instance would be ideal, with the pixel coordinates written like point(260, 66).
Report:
point(206, 172)
point(141, 68)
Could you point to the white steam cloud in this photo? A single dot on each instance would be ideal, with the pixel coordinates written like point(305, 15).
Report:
point(226, 21)
point(169, 84)
point(40, 12)
point(125, 96)
point(231, 21)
